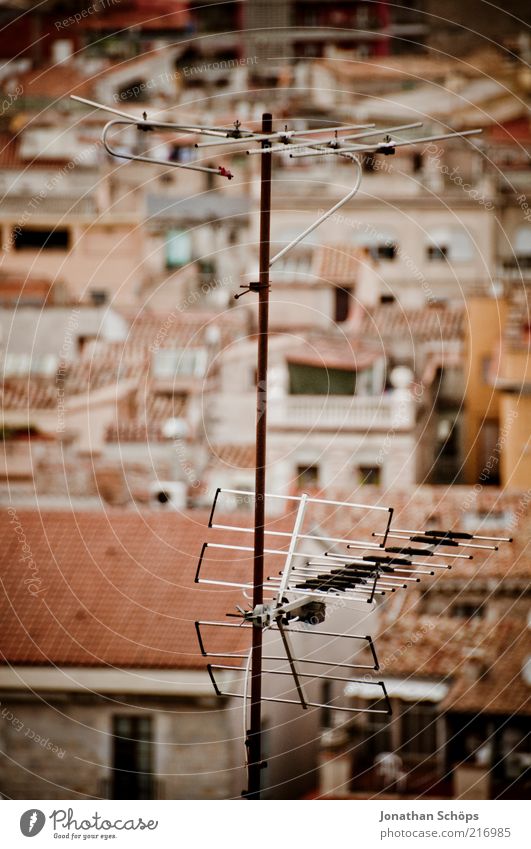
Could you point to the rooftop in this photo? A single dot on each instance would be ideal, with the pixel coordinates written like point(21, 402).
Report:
point(109, 589)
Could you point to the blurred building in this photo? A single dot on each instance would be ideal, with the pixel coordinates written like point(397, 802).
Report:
point(399, 358)
point(103, 689)
point(455, 658)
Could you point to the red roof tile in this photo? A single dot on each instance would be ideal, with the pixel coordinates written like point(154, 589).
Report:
point(483, 662)
point(340, 263)
point(233, 456)
point(392, 321)
point(331, 352)
point(110, 589)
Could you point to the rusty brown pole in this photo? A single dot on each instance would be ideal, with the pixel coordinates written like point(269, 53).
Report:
point(254, 741)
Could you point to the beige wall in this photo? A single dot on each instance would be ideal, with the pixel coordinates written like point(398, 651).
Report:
point(484, 321)
point(515, 425)
point(80, 728)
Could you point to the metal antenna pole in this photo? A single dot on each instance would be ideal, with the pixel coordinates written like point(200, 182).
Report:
point(255, 731)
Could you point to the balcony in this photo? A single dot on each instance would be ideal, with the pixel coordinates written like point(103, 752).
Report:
point(393, 411)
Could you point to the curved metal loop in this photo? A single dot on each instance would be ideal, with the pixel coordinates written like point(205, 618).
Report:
point(327, 214)
point(146, 126)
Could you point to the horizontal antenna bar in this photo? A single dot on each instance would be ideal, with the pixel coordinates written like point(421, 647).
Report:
point(188, 128)
point(374, 546)
point(453, 534)
point(309, 499)
point(386, 145)
point(301, 674)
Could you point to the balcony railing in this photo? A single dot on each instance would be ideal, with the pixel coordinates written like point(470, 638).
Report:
point(393, 411)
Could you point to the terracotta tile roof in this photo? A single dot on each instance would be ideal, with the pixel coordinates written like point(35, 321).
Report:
point(235, 456)
point(55, 81)
point(113, 589)
point(392, 321)
point(17, 289)
point(146, 16)
point(104, 363)
point(181, 328)
point(24, 394)
point(147, 425)
point(333, 352)
point(340, 263)
point(482, 662)
point(41, 393)
point(489, 512)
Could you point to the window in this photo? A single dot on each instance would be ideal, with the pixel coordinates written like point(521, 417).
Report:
point(178, 249)
point(436, 252)
point(417, 162)
point(489, 452)
point(447, 436)
point(418, 728)
point(307, 476)
point(136, 90)
point(380, 241)
point(486, 363)
point(468, 610)
point(32, 239)
point(387, 299)
point(342, 303)
point(385, 250)
point(369, 475)
point(206, 267)
point(499, 520)
point(184, 362)
point(451, 243)
point(522, 244)
point(21, 365)
point(132, 766)
point(312, 380)
point(377, 735)
point(98, 296)
point(326, 698)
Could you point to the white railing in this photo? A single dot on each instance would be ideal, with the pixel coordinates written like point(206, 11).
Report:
point(365, 412)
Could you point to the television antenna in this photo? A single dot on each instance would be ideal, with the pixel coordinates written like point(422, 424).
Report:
point(348, 142)
point(298, 596)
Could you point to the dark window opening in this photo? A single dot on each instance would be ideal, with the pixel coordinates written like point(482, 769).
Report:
point(98, 296)
point(375, 740)
point(387, 299)
point(326, 698)
point(386, 250)
point(136, 91)
point(307, 476)
point(132, 774)
point(26, 238)
point(418, 728)
point(342, 303)
point(489, 453)
point(162, 497)
point(437, 253)
point(468, 610)
point(369, 475)
point(417, 162)
point(448, 438)
point(312, 380)
point(84, 340)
